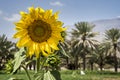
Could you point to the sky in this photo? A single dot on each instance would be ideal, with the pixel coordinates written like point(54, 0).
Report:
point(71, 11)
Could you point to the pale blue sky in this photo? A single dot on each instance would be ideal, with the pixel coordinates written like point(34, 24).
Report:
point(71, 11)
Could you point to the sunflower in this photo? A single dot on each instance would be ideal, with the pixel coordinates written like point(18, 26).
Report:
point(39, 31)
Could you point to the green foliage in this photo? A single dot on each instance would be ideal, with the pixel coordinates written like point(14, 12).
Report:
point(9, 66)
point(112, 34)
point(6, 51)
point(113, 37)
point(49, 76)
point(19, 58)
point(50, 64)
point(56, 74)
point(63, 34)
point(53, 60)
point(67, 75)
point(39, 75)
point(83, 29)
point(83, 42)
point(62, 46)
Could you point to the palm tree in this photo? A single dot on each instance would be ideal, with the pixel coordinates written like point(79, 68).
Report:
point(113, 37)
point(74, 54)
point(92, 58)
point(64, 50)
point(6, 49)
point(83, 37)
point(101, 52)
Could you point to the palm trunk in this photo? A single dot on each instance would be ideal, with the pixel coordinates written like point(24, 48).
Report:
point(115, 58)
point(76, 62)
point(84, 54)
point(84, 62)
point(115, 64)
point(101, 63)
point(67, 60)
point(101, 66)
point(91, 66)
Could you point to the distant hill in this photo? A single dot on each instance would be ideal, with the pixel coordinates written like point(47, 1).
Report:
point(102, 25)
point(105, 24)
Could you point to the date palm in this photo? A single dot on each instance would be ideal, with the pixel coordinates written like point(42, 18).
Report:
point(101, 52)
point(113, 37)
point(6, 48)
point(83, 39)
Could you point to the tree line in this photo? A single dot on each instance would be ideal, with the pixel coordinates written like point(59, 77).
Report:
point(85, 49)
point(82, 50)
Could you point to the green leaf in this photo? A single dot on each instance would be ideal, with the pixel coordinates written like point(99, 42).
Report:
point(39, 75)
point(56, 74)
point(19, 58)
point(48, 76)
point(63, 51)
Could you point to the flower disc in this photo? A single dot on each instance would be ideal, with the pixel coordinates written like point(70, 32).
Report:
point(39, 31)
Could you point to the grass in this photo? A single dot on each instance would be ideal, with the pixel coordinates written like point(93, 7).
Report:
point(69, 75)
point(90, 75)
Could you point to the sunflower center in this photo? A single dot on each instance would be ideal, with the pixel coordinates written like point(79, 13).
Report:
point(39, 31)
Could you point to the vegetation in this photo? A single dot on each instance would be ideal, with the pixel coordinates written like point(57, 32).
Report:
point(113, 36)
point(7, 49)
point(82, 52)
point(83, 40)
point(70, 74)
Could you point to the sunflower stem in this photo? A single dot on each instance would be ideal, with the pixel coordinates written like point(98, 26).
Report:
point(37, 64)
point(28, 75)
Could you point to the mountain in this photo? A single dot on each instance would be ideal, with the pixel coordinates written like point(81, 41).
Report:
point(102, 25)
point(105, 24)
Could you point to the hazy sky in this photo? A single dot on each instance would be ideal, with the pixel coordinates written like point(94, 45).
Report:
point(71, 11)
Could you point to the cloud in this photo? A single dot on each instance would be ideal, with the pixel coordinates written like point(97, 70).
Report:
point(118, 16)
point(57, 3)
point(1, 12)
point(14, 17)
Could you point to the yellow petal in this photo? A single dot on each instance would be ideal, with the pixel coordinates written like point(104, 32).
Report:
point(55, 15)
point(37, 13)
point(41, 10)
point(20, 34)
point(31, 9)
point(30, 51)
point(58, 37)
point(44, 54)
point(42, 46)
point(37, 49)
point(53, 44)
point(32, 12)
point(53, 18)
point(58, 23)
point(47, 14)
point(58, 29)
point(21, 25)
point(47, 48)
point(23, 41)
point(23, 14)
